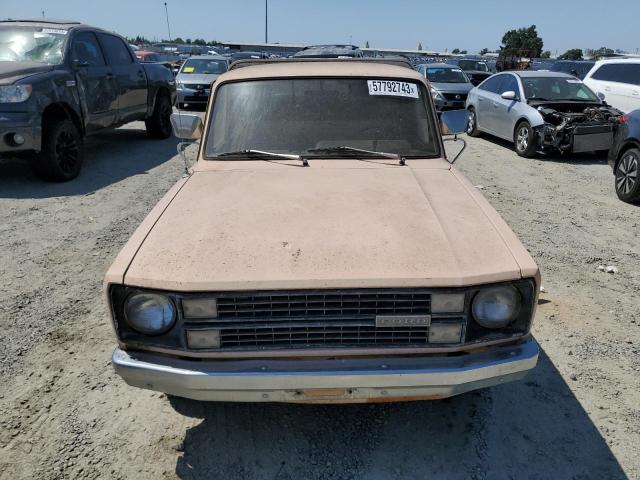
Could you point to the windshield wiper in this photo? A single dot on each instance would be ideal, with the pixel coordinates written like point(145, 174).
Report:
point(262, 154)
point(352, 150)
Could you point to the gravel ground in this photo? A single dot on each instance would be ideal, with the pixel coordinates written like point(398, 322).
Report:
point(65, 414)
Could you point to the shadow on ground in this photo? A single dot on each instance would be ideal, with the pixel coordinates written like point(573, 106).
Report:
point(587, 158)
point(533, 429)
point(109, 158)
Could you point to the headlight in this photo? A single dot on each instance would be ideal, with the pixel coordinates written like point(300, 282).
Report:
point(14, 93)
point(436, 94)
point(149, 313)
point(496, 307)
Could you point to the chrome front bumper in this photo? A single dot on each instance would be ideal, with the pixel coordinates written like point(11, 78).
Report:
point(326, 380)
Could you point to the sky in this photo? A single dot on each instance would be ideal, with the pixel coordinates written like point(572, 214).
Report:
point(465, 24)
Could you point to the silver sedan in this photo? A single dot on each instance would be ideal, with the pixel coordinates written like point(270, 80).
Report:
point(541, 112)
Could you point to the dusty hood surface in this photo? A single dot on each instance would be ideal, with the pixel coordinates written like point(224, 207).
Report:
point(281, 226)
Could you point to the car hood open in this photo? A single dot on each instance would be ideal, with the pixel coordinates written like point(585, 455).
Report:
point(336, 224)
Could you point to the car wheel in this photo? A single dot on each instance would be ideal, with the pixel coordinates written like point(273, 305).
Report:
point(472, 126)
point(525, 140)
point(159, 124)
point(627, 181)
point(60, 159)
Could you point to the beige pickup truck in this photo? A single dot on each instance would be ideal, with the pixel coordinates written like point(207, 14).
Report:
point(322, 249)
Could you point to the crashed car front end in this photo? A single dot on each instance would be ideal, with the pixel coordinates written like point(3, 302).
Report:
point(576, 127)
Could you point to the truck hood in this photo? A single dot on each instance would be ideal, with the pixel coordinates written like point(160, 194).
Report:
point(13, 71)
point(356, 225)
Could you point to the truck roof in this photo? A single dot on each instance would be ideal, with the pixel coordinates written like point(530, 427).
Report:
point(396, 60)
point(323, 68)
point(43, 22)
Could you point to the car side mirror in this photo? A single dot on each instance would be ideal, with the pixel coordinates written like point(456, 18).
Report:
point(186, 126)
point(510, 95)
point(601, 96)
point(454, 122)
point(80, 63)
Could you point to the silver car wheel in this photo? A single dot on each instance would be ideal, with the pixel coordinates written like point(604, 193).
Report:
point(472, 122)
point(627, 174)
point(522, 141)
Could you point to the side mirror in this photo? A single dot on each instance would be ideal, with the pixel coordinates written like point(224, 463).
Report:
point(601, 96)
point(454, 122)
point(186, 125)
point(510, 95)
point(80, 63)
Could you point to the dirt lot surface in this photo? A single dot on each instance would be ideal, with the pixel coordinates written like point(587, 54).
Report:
point(65, 414)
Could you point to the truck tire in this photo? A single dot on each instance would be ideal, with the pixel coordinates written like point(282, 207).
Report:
point(524, 140)
point(159, 123)
point(61, 157)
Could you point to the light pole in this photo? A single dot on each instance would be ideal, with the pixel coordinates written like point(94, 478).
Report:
point(266, 21)
point(166, 11)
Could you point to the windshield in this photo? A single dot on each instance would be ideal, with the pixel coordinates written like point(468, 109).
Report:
point(446, 75)
point(204, 66)
point(29, 44)
point(557, 89)
point(473, 65)
point(294, 116)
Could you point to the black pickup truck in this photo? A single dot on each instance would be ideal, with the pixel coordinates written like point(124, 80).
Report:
point(61, 81)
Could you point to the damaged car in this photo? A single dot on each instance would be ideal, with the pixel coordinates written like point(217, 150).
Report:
point(362, 267)
point(542, 112)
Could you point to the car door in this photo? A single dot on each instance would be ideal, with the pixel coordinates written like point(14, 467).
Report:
point(95, 82)
point(504, 110)
point(130, 77)
point(619, 83)
point(485, 111)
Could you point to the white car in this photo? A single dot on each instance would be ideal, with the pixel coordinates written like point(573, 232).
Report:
point(618, 80)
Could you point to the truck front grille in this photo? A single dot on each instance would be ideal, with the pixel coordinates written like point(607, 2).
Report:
point(319, 318)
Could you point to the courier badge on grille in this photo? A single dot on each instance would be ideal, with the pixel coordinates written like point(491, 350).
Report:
point(403, 320)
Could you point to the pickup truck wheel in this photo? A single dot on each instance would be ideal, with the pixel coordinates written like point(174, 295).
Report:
point(525, 140)
point(628, 176)
point(61, 156)
point(159, 124)
point(472, 126)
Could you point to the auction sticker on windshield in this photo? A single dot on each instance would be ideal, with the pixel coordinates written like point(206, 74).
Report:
point(392, 88)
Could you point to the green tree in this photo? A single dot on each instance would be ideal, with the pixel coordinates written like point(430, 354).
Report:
point(455, 51)
point(199, 41)
point(463, 52)
point(178, 40)
point(545, 54)
point(599, 53)
point(523, 39)
point(484, 51)
point(572, 54)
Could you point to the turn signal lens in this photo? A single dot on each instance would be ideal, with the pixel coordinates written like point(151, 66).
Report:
point(200, 307)
point(447, 303)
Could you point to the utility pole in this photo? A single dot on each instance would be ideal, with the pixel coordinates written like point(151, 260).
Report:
point(166, 11)
point(266, 21)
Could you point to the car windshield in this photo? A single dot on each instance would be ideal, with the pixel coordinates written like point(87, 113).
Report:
point(446, 75)
point(204, 66)
point(29, 44)
point(294, 116)
point(473, 65)
point(557, 89)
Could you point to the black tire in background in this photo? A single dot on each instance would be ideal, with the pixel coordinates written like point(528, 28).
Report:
point(159, 124)
point(524, 140)
point(60, 159)
point(627, 173)
point(472, 127)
